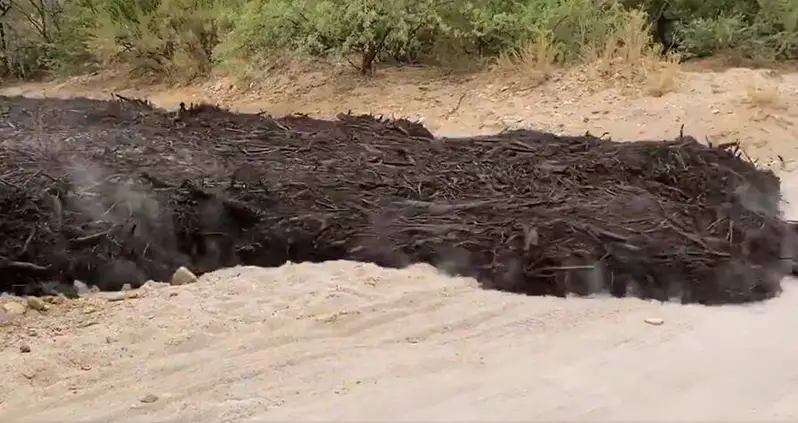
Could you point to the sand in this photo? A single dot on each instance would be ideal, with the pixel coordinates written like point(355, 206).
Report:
point(352, 342)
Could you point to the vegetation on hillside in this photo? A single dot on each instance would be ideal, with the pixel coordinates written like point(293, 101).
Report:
point(184, 39)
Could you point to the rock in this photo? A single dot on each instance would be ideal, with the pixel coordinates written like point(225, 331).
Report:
point(58, 299)
point(37, 304)
point(154, 285)
point(149, 399)
point(115, 274)
point(24, 348)
point(81, 287)
point(654, 321)
point(183, 276)
point(50, 289)
point(127, 287)
point(14, 308)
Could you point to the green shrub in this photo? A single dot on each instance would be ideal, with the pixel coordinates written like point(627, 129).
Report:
point(174, 38)
point(183, 39)
point(403, 30)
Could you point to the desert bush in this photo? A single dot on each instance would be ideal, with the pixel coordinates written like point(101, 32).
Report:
point(371, 30)
point(757, 29)
point(183, 39)
point(174, 38)
point(29, 36)
point(440, 31)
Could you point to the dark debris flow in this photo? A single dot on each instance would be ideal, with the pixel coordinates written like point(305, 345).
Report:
point(118, 192)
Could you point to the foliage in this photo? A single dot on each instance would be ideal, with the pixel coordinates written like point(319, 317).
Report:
point(184, 39)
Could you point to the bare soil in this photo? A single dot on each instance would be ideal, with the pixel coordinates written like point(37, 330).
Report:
point(355, 342)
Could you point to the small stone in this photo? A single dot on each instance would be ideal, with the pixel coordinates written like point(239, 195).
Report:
point(154, 285)
point(24, 348)
point(14, 308)
point(32, 332)
point(81, 287)
point(183, 276)
point(654, 321)
point(149, 399)
point(29, 374)
point(58, 299)
point(37, 303)
point(127, 287)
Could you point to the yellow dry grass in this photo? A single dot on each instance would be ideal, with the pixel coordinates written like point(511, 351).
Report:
point(627, 59)
point(534, 64)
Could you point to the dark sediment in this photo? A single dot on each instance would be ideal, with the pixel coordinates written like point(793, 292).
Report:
point(118, 192)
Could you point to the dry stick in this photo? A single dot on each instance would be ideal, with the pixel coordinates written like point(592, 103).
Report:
point(5, 262)
point(154, 181)
point(574, 267)
point(27, 242)
point(447, 208)
point(451, 111)
point(93, 237)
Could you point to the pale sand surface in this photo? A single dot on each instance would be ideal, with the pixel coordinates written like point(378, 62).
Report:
point(352, 342)
point(346, 342)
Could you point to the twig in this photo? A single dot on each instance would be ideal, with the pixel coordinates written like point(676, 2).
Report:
point(23, 265)
point(28, 240)
point(92, 237)
point(451, 111)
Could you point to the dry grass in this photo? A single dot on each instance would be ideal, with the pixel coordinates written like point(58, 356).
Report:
point(533, 65)
point(630, 59)
point(626, 59)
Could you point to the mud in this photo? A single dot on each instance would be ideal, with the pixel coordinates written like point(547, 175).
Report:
point(120, 192)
